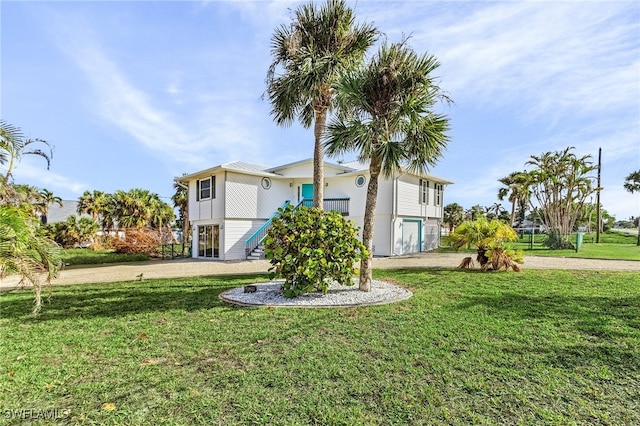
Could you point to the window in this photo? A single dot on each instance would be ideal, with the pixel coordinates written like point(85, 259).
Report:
point(266, 183)
point(206, 188)
point(424, 191)
point(438, 198)
point(360, 181)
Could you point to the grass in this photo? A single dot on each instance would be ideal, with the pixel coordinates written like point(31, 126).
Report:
point(612, 245)
point(83, 256)
point(536, 347)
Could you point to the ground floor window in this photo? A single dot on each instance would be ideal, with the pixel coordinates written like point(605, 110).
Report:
point(209, 241)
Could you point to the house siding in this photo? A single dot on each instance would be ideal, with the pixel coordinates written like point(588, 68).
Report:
point(242, 205)
point(236, 233)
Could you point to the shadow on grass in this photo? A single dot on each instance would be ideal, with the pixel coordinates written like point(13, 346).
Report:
point(124, 298)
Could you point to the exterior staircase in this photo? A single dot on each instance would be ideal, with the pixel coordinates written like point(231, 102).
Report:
point(257, 253)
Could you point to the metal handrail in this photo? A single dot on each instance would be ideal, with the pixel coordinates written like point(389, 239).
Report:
point(340, 205)
point(256, 238)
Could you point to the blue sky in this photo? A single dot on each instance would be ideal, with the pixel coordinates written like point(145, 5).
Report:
point(132, 94)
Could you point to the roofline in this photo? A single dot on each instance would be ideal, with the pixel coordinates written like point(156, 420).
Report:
point(270, 172)
point(223, 167)
point(309, 160)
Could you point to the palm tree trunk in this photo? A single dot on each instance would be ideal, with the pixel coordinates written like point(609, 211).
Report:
point(318, 159)
point(513, 212)
point(369, 219)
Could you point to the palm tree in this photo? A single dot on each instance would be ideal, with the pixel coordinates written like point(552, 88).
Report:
point(93, 203)
point(516, 190)
point(13, 146)
point(453, 215)
point(24, 250)
point(309, 55)
point(489, 238)
point(387, 117)
point(632, 184)
point(560, 183)
point(181, 201)
point(48, 199)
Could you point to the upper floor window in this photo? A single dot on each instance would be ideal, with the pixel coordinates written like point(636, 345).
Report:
point(206, 188)
point(438, 197)
point(424, 191)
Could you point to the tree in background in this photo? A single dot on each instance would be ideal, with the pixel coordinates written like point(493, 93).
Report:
point(181, 201)
point(632, 184)
point(386, 115)
point(47, 198)
point(24, 250)
point(560, 182)
point(73, 232)
point(474, 212)
point(93, 203)
point(312, 52)
point(453, 215)
point(516, 190)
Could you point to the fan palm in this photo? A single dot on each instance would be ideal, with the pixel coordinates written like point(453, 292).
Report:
point(488, 237)
point(387, 117)
point(309, 55)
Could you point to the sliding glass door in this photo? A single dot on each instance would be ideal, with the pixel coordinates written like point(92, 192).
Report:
point(209, 241)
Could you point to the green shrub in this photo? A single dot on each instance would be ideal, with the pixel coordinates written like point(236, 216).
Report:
point(311, 248)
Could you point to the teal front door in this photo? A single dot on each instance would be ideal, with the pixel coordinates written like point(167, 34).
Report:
point(307, 191)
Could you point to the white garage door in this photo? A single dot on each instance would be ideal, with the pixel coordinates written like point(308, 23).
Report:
point(411, 241)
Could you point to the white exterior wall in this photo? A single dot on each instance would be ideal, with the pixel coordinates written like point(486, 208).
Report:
point(206, 209)
point(236, 233)
point(247, 199)
point(242, 205)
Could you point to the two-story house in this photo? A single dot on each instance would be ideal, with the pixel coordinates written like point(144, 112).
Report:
point(230, 205)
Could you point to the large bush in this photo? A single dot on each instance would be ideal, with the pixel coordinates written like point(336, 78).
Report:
point(311, 248)
point(138, 241)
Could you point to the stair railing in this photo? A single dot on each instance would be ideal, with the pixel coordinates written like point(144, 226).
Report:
point(256, 238)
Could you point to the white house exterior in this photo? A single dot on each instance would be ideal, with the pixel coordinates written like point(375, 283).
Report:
point(230, 202)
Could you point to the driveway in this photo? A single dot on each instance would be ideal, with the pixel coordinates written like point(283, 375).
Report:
point(193, 267)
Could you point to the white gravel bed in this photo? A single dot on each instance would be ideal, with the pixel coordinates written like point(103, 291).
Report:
point(270, 294)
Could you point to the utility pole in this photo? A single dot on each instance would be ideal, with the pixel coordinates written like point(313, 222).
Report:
point(598, 217)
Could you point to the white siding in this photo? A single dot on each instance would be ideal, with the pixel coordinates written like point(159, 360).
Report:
point(409, 197)
point(206, 209)
point(235, 235)
point(241, 195)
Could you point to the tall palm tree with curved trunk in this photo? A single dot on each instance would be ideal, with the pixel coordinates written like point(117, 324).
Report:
point(309, 55)
point(386, 115)
point(516, 190)
point(632, 184)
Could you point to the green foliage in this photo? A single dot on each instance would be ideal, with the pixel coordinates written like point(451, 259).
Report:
point(489, 238)
point(25, 251)
point(556, 241)
point(73, 232)
point(311, 248)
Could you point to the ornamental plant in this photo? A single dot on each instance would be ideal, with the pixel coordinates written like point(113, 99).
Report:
point(490, 238)
point(311, 248)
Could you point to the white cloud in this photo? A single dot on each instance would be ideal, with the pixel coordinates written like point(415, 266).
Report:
point(38, 175)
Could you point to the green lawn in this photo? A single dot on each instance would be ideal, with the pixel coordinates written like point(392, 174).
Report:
point(612, 245)
point(536, 347)
point(83, 256)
